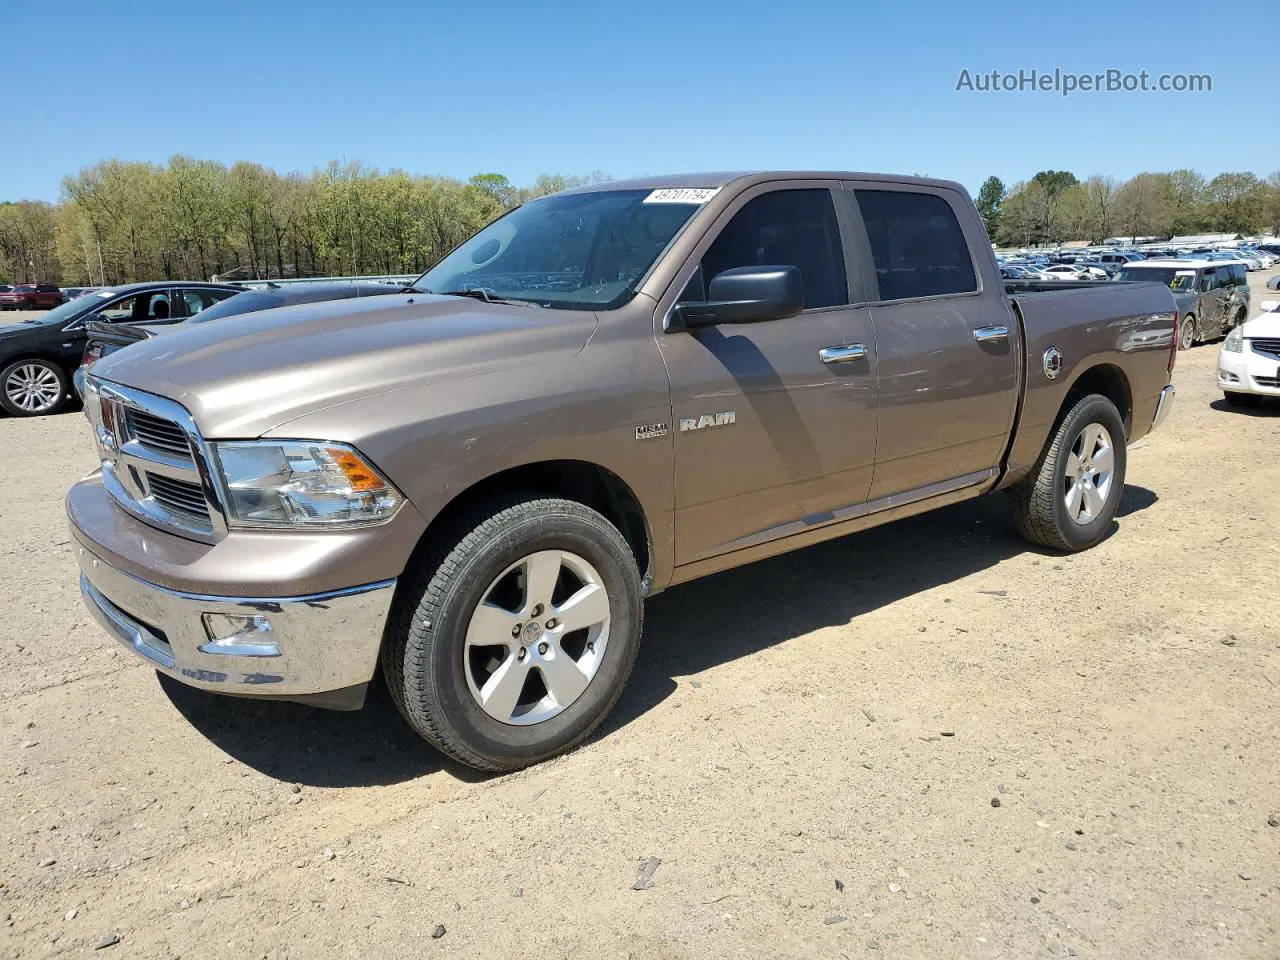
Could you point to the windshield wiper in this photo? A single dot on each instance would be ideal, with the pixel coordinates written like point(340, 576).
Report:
point(480, 293)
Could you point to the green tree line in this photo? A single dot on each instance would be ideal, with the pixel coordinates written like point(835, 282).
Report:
point(1055, 206)
point(118, 221)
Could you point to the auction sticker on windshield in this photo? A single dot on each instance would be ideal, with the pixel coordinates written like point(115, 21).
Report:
point(682, 195)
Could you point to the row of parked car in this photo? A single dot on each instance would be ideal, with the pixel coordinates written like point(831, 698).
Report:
point(1106, 266)
point(43, 358)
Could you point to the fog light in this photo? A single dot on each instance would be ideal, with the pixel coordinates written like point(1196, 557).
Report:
point(236, 635)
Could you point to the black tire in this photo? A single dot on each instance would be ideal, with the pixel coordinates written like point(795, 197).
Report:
point(12, 408)
point(423, 657)
point(1187, 332)
point(1241, 399)
point(1039, 505)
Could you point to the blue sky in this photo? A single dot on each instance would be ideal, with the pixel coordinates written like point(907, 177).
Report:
point(658, 87)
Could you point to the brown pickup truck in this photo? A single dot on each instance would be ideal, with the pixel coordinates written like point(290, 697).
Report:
point(474, 484)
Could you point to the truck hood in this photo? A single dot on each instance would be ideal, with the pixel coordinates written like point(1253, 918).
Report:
point(243, 376)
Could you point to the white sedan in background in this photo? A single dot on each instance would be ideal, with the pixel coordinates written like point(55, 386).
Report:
point(1063, 271)
point(1249, 361)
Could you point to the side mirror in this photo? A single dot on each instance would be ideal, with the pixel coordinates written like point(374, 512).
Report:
point(1270, 306)
point(744, 295)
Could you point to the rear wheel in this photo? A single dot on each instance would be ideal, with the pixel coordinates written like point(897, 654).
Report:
point(1187, 332)
point(513, 640)
point(32, 388)
point(1069, 499)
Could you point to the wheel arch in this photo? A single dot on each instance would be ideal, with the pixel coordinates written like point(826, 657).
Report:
point(1108, 380)
point(584, 482)
point(37, 354)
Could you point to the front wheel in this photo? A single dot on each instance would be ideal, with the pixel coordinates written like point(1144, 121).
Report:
point(1070, 497)
point(513, 640)
point(1187, 332)
point(32, 388)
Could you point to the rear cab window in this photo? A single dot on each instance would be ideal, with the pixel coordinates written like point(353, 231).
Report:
point(917, 245)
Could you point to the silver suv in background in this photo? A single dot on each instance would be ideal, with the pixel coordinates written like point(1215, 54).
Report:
point(1212, 296)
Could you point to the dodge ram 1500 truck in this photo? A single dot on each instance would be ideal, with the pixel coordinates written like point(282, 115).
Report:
point(473, 485)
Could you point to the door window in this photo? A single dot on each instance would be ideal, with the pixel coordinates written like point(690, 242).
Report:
point(917, 245)
point(144, 306)
point(783, 228)
point(193, 301)
point(1222, 277)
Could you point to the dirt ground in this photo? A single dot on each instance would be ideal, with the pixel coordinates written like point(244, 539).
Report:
point(814, 747)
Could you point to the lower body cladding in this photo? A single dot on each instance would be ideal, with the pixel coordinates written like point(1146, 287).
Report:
point(320, 649)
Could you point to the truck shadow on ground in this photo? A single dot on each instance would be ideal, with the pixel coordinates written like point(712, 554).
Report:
point(688, 629)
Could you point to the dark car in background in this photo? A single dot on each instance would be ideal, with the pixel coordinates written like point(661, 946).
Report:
point(32, 296)
point(1212, 295)
point(39, 355)
point(105, 338)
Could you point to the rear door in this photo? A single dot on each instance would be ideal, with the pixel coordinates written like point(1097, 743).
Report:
point(1235, 303)
point(1216, 302)
point(769, 437)
point(946, 344)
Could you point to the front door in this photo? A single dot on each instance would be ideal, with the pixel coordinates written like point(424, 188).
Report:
point(1211, 303)
point(947, 348)
point(769, 437)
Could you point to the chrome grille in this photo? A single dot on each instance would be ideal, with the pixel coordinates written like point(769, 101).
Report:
point(1267, 346)
point(154, 462)
point(1268, 381)
point(180, 496)
point(156, 432)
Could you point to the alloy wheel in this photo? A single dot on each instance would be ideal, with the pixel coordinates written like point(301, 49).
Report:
point(33, 388)
point(1187, 333)
point(1089, 474)
point(537, 637)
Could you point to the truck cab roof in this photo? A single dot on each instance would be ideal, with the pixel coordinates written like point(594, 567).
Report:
point(748, 178)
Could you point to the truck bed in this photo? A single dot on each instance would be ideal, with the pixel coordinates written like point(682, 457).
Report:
point(1127, 328)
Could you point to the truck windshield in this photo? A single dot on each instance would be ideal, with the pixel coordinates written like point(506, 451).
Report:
point(579, 251)
point(1178, 279)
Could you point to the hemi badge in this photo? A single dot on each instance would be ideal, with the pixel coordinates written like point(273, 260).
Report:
point(651, 431)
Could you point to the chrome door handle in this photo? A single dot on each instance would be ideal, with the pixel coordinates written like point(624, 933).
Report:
point(990, 334)
point(854, 351)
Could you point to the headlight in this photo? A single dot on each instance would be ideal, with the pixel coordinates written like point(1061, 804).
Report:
point(302, 483)
point(1234, 343)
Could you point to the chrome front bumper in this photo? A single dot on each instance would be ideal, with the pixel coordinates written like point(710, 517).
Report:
point(321, 649)
point(1164, 405)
